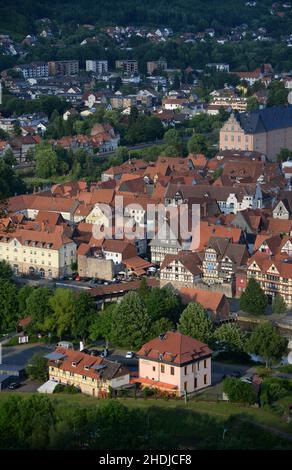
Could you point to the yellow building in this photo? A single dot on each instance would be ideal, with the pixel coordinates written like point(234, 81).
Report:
point(93, 375)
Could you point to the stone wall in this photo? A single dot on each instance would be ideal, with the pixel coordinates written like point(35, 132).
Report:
point(98, 268)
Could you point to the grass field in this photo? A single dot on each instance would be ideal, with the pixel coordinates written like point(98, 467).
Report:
point(186, 422)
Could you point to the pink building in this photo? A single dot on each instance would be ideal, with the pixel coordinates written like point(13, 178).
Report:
point(266, 131)
point(175, 363)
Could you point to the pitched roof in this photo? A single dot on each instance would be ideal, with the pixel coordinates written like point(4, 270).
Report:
point(174, 348)
point(209, 301)
point(190, 260)
point(267, 119)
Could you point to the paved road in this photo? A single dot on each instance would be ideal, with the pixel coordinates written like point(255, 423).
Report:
point(219, 369)
point(21, 354)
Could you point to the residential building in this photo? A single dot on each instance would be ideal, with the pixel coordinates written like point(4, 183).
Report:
point(97, 66)
point(47, 252)
point(63, 67)
point(221, 260)
point(33, 70)
point(92, 375)
point(127, 66)
point(183, 269)
point(267, 131)
point(274, 274)
point(219, 67)
point(159, 65)
point(175, 363)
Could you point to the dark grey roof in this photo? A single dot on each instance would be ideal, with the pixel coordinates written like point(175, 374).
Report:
point(11, 367)
point(4, 377)
point(268, 119)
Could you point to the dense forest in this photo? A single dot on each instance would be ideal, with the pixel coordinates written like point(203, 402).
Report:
point(18, 16)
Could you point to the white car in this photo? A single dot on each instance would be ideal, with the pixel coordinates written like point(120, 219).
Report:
point(130, 355)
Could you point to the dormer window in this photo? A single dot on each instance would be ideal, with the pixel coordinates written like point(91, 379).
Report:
point(86, 367)
point(74, 364)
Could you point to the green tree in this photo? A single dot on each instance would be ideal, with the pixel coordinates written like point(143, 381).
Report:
point(131, 322)
point(279, 304)
point(37, 368)
point(195, 322)
point(22, 296)
point(238, 391)
point(5, 271)
point(277, 94)
point(163, 303)
point(252, 104)
point(161, 326)
point(46, 161)
point(38, 306)
point(253, 299)
point(284, 155)
point(102, 324)
point(267, 342)
point(230, 336)
point(198, 144)
point(62, 304)
point(84, 314)
point(8, 306)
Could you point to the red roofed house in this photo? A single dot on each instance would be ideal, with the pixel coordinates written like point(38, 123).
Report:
point(92, 375)
point(215, 303)
point(175, 363)
point(274, 274)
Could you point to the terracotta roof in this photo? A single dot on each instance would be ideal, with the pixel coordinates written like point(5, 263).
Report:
point(174, 348)
point(85, 364)
point(209, 300)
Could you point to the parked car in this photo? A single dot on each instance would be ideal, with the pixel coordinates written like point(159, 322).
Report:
point(130, 355)
point(77, 278)
point(13, 385)
point(247, 379)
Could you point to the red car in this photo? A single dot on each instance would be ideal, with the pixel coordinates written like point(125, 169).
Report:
point(77, 278)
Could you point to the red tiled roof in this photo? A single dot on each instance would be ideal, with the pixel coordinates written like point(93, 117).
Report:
point(175, 348)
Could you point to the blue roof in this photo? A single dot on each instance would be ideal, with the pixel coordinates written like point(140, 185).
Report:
point(55, 356)
point(4, 377)
point(268, 119)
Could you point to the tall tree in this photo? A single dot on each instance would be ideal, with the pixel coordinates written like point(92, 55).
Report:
point(195, 322)
point(131, 322)
point(62, 304)
point(267, 342)
point(253, 299)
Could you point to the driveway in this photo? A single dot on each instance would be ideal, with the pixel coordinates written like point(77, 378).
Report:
point(219, 369)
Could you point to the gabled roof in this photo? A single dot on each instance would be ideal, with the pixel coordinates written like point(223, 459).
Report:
point(203, 297)
point(174, 348)
point(190, 260)
point(267, 119)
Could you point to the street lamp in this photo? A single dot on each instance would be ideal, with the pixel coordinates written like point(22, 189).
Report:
point(224, 432)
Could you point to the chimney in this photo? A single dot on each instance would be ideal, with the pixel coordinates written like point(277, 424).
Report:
point(81, 346)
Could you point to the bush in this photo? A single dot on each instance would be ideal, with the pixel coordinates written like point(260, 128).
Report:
point(238, 391)
point(148, 392)
point(286, 368)
point(71, 389)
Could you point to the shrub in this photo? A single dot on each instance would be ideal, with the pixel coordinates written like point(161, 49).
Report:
point(71, 389)
point(238, 391)
point(148, 392)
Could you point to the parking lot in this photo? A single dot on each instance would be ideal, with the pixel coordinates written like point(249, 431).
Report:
point(21, 354)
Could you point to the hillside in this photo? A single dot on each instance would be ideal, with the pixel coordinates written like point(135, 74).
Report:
point(19, 16)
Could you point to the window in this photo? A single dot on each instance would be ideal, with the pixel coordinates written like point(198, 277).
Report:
point(195, 382)
point(205, 363)
point(153, 368)
point(186, 370)
point(172, 371)
point(162, 368)
point(198, 366)
point(205, 379)
point(185, 386)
